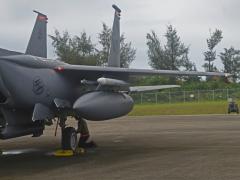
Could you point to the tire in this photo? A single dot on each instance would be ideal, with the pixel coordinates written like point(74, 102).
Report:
point(69, 139)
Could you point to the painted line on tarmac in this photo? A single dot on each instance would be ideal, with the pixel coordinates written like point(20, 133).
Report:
point(18, 151)
point(193, 115)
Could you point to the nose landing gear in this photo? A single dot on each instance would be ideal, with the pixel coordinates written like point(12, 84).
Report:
point(69, 139)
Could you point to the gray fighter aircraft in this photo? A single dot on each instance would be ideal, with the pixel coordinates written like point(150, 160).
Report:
point(35, 90)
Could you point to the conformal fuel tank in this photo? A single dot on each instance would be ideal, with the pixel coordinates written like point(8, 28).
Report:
point(103, 105)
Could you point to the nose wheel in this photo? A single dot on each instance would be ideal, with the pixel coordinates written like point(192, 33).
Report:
point(69, 139)
point(69, 135)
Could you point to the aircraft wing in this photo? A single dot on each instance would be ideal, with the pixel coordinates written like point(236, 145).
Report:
point(95, 72)
point(113, 70)
point(110, 83)
point(5, 52)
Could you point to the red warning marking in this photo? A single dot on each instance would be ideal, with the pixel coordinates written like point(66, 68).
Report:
point(59, 69)
point(42, 18)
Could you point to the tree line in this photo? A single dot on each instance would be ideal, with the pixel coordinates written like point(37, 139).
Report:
point(82, 51)
point(173, 55)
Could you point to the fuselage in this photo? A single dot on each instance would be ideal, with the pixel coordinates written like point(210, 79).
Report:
point(29, 80)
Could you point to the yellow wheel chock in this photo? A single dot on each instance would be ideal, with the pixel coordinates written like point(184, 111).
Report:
point(69, 153)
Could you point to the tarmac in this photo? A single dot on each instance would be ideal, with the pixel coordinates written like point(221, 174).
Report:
point(152, 147)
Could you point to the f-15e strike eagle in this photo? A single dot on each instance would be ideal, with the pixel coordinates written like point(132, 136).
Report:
point(35, 90)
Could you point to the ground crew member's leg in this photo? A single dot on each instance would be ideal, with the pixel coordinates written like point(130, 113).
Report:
point(85, 140)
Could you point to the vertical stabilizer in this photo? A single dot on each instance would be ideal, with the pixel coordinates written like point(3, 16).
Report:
point(114, 56)
point(37, 45)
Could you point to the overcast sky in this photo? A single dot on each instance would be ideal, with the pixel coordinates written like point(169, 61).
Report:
point(192, 18)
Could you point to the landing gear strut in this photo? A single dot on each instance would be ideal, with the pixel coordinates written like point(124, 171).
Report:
point(84, 140)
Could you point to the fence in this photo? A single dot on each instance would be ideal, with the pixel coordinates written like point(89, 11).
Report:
point(186, 96)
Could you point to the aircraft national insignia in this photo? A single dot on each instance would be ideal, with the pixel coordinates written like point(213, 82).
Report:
point(38, 86)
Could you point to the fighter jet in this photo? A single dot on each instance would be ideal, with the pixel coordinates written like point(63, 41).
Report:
point(34, 90)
